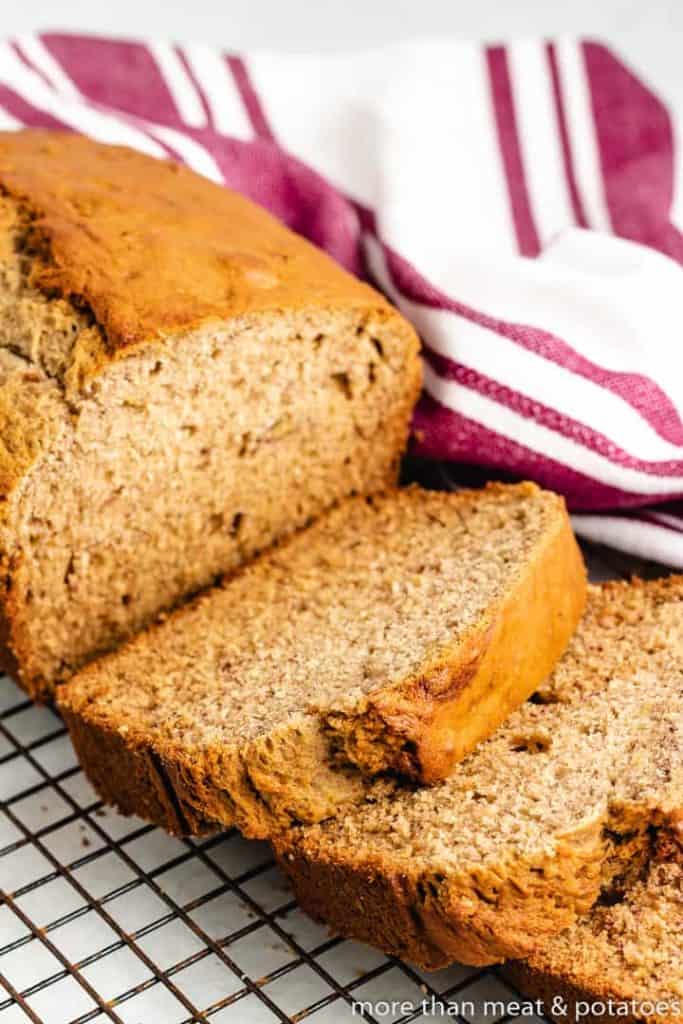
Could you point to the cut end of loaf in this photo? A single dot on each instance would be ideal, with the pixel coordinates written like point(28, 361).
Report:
point(131, 488)
point(381, 642)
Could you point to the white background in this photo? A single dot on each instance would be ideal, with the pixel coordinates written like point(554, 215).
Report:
point(648, 32)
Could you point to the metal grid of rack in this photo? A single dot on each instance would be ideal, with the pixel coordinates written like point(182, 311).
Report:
point(105, 918)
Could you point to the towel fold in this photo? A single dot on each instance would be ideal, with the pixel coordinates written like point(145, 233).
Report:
point(522, 204)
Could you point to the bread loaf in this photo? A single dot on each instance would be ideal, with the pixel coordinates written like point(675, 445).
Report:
point(557, 807)
point(383, 641)
point(182, 382)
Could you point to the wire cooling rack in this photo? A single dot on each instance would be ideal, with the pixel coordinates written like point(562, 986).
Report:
point(105, 918)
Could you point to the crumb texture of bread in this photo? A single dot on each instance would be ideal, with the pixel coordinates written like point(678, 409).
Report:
point(382, 642)
point(628, 950)
point(183, 382)
point(554, 808)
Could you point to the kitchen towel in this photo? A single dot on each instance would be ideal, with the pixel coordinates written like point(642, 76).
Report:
point(522, 204)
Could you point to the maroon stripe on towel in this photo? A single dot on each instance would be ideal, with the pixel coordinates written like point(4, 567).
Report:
point(23, 111)
point(636, 146)
point(546, 416)
point(640, 391)
point(250, 98)
point(508, 140)
point(444, 433)
point(29, 63)
point(120, 75)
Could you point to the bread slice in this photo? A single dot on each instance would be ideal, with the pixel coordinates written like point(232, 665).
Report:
point(559, 803)
point(386, 639)
point(623, 961)
point(182, 382)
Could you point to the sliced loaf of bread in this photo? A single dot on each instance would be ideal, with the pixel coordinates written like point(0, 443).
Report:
point(558, 804)
point(623, 961)
point(183, 381)
point(385, 640)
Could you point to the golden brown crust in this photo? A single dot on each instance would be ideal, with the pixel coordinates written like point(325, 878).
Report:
point(478, 917)
point(137, 776)
point(8, 662)
point(289, 775)
point(153, 248)
point(255, 794)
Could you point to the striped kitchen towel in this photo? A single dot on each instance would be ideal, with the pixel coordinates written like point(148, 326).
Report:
point(522, 204)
